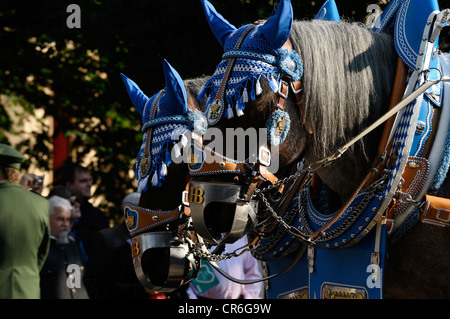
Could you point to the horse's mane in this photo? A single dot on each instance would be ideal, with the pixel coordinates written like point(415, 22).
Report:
point(193, 87)
point(347, 79)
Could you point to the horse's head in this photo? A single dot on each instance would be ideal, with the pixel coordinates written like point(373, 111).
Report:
point(250, 86)
point(306, 87)
point(252, 99)
point(156, 224)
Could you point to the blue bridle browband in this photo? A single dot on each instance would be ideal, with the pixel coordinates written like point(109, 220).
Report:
point(281, 60)
point(244, 54)
point(165, 120)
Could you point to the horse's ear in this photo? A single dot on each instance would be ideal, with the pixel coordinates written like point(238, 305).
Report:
point(328, 12)
point(278, 27)
point(136, 95)
point(175, 95)
point(219, 26)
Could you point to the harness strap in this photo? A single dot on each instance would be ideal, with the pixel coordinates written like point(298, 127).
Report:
point(380, 161)
point(145, 160)
point(436, 211)
point(396, 96)
point(288, 196)
point(410, 98)
point(213, 162)
point(140, 219)
point(220, 92)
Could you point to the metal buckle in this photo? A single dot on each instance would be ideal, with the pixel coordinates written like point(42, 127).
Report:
point(280, 84)
point(185, 198)
point(439, 213)
point(264, 156)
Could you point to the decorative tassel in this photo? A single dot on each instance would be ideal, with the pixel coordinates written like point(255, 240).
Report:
point(245, 96)
point(155, 179)
point(258, 88)
point(177, 152)
point(168, 158)
point(241, 104)
point(239, 111)
point(273, 84)
point(252, 95)
point(164, 169)
point(184, 140)
point(229, 112)
point(142, 185)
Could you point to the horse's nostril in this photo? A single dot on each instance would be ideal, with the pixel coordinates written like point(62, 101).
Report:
point(155, 265)
point(219, 218)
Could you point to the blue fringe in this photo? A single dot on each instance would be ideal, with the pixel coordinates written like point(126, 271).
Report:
point(443, 167)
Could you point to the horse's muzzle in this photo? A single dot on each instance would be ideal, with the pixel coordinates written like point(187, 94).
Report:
point(219, 213)
point(161, 262)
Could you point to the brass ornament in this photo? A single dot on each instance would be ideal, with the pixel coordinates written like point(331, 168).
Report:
point(215, 110)
point(144, 165)
point(280, 125)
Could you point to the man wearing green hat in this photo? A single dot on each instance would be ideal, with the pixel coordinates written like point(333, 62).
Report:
point(24, 231)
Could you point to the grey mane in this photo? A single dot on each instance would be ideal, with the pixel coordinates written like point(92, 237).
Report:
point(347, 79)
point(193, 87)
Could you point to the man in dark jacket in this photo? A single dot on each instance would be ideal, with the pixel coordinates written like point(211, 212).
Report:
point(62, 276)
point(79, 181)
point(117, 278)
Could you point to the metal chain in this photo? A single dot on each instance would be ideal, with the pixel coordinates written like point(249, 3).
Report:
point(289, 178)
point(291, 230)
point(295, 232)
point(358, 209)
point(197, 251)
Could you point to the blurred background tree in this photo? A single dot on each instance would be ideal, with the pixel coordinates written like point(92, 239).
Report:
point(73, 75)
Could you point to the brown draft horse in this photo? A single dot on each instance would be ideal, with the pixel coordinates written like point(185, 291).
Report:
point(347, 80)
point(159, 224)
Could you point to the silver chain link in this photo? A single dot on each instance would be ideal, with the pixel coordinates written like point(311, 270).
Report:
point(197, 251)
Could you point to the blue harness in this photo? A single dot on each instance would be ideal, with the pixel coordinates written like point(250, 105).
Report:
point(347, 260)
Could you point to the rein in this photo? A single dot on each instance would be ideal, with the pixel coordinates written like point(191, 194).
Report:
point(373, 209)
point(410, 98)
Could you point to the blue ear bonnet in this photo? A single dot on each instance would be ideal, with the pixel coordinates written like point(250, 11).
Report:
point(165, 116)
point(254, 42)
point(256, 47)
point(163, 112)
point(256, 57)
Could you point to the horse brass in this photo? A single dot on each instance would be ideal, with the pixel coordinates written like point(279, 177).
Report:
point(301, 293)
point(214, 110)
point(144, 164)
point(280, 125)
point(339, 292)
